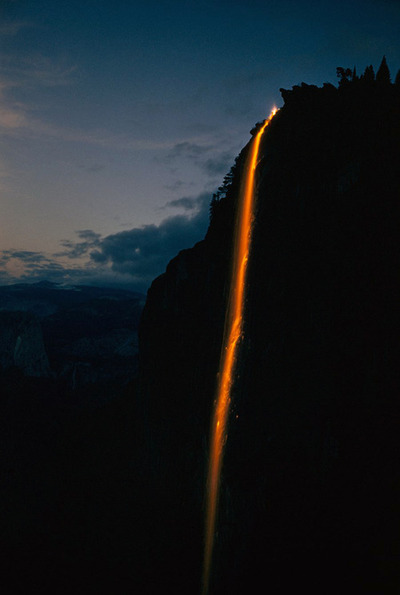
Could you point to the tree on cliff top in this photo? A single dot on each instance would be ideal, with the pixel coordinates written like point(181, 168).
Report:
point(344, 75)
point(369, 75)
point(383, 74)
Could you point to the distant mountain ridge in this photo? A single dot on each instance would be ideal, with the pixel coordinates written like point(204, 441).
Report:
point(45, 297)
point(89, 333)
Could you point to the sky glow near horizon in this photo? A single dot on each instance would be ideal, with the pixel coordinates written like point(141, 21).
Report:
point(119, 119)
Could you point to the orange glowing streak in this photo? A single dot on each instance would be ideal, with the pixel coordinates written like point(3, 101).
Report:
point(232, 334)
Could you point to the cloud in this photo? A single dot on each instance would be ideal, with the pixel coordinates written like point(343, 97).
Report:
point(26, 266)
point(143, 253)
point(208, 158)
point(26, 256)
point(74, 250)
point(189, 150)
point(186, 202)
point(218, 165)
point(176, 186)
point(88, 234)
point(132, 258)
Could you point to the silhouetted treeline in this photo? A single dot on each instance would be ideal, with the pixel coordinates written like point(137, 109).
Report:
point(347, 76)
point(359, 86)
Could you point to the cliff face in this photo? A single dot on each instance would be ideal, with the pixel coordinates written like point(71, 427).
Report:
point(21, 344)
point(310, 485)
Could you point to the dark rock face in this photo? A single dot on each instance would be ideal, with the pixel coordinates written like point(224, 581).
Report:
point(311, 483)
point(312, 464)
point(21, 344)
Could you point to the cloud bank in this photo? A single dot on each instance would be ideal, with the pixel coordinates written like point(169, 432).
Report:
point(130, 258)
point(143, 253)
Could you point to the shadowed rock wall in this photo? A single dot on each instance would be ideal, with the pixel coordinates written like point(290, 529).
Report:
point(21, 344)
point(310, 485)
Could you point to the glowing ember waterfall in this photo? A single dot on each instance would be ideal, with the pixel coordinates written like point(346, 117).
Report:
point(233, 332)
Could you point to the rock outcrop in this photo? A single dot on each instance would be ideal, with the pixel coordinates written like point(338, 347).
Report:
point(311, 480)
point(21, 344)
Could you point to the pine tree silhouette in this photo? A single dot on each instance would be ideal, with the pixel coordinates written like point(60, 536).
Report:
point(344, 75)
point(369, 75)
point(383, 74)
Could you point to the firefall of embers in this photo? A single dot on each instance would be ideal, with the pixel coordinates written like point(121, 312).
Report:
point(233, 332)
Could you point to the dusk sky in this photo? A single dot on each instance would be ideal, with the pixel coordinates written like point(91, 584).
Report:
point(120, 118)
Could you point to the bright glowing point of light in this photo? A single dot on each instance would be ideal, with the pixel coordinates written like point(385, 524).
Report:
point(233, 332)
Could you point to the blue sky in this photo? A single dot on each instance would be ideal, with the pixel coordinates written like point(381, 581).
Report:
point(119, 119)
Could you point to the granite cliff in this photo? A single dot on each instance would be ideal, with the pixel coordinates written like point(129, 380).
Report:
point(21, 344)
point(310, 485)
